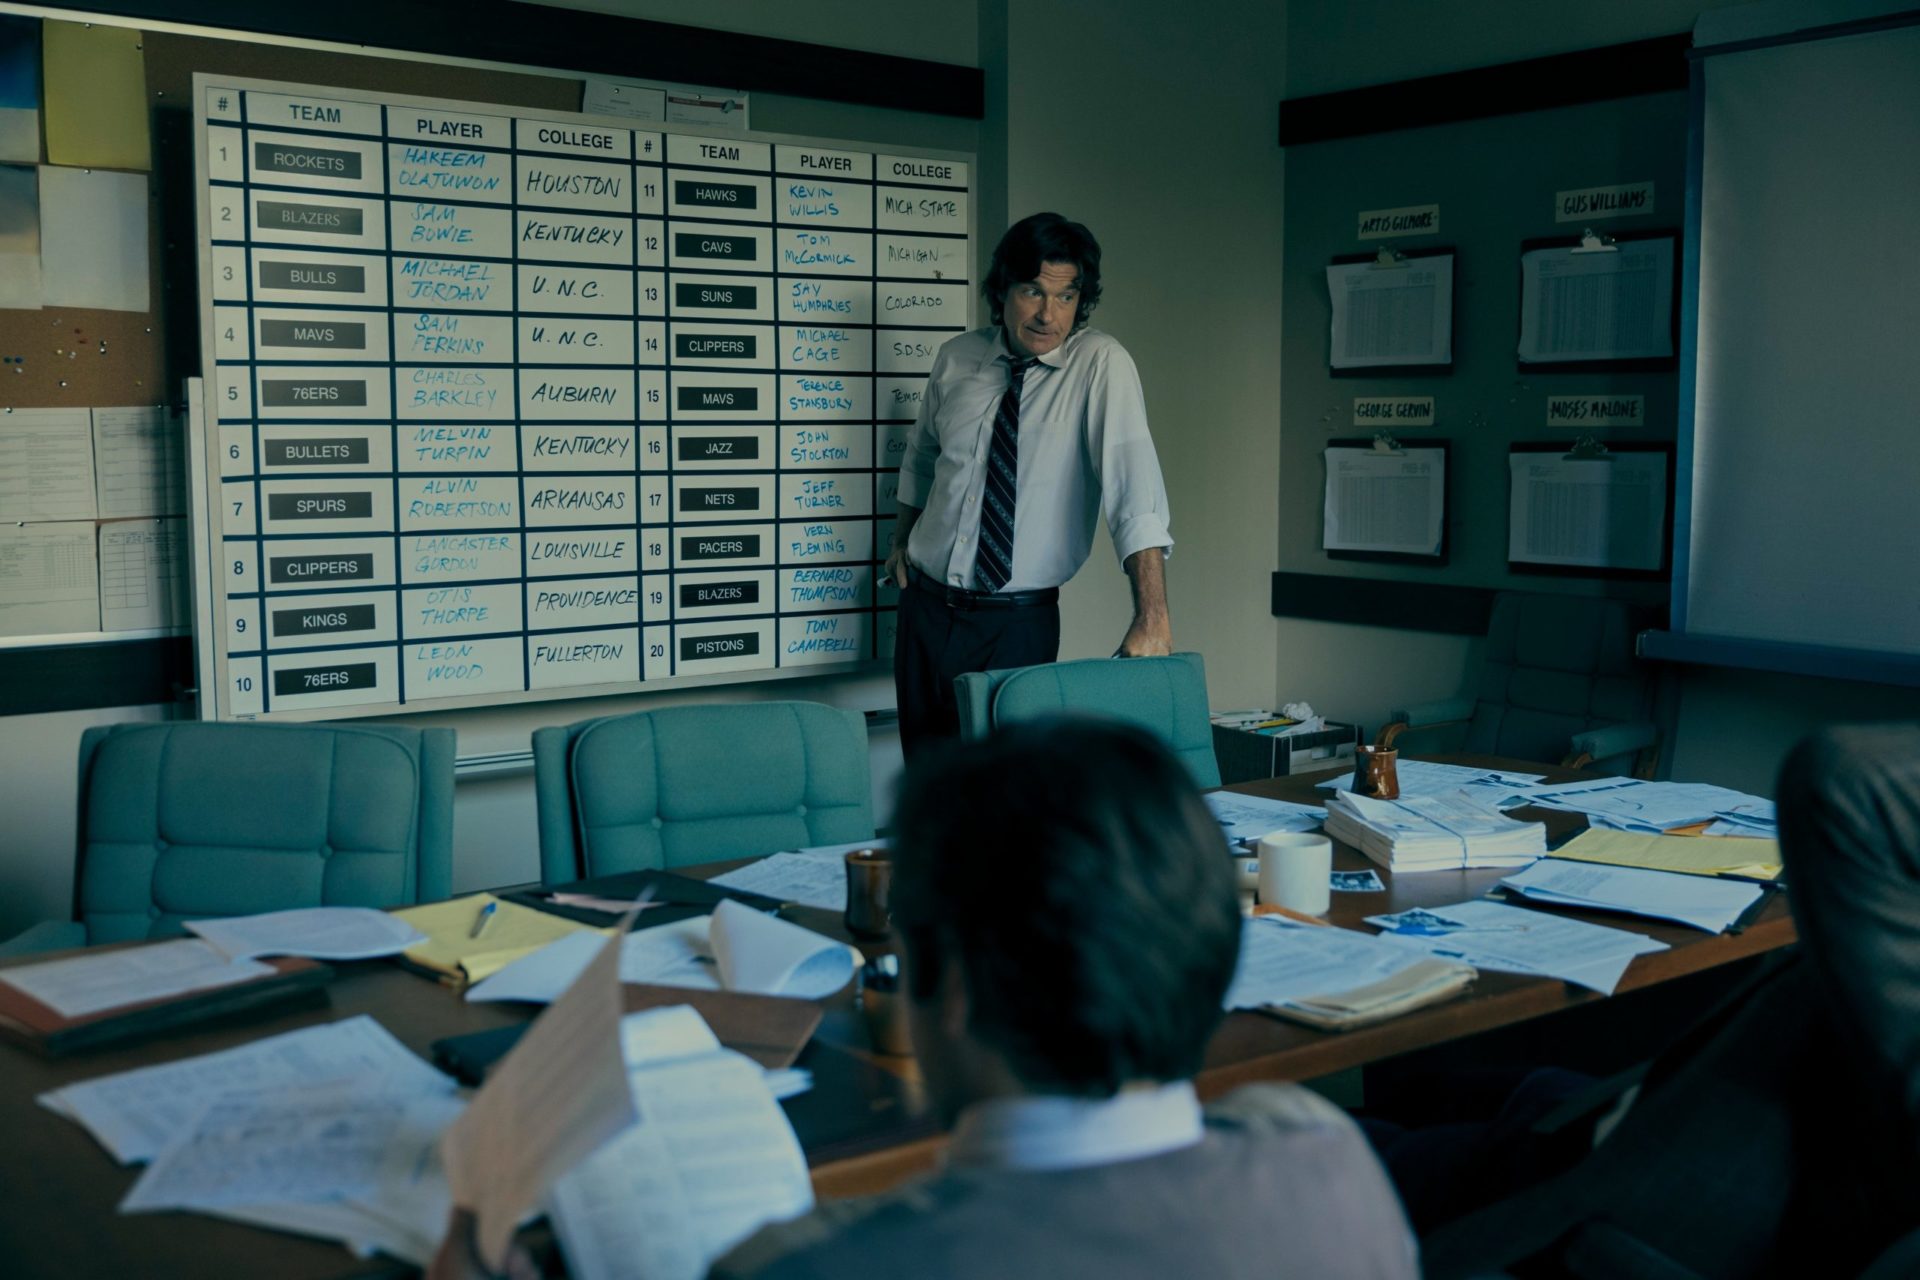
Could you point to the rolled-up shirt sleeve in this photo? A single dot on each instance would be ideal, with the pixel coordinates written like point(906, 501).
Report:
point(923, 444)
point(1133, 496)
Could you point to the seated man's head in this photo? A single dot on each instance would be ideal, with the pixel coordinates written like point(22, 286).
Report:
point(1068, 913)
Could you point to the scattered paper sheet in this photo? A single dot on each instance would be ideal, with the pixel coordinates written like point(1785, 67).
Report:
point(1400, 315)
point(49, 579)
point(1611, 305)
point(815, 877)
point(1281, 961)
point(20, 287)
point(1250, 817)
point(1491, 935)
point(1631, 804)
point(1357, 882)
point(1605, 513)
point(323, 933)
point(46, 465)
point(1750, 858)
point(1430, 778)
point(1699, 901)
point(93, 239)
point(143, 574)
point(553, 1100)
point(96, 100)
point(19, 91)
point(1385, 502)
point(138, 466)
point(134, 1114)
point(274, 1147)
point(712, 1159)
point(513, 931)
point(87, 984)
point(736, 949)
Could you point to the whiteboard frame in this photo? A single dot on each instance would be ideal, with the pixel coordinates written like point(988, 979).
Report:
point(214, 699)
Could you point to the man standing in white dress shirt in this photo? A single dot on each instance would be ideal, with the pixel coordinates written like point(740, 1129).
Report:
point(1029, 430)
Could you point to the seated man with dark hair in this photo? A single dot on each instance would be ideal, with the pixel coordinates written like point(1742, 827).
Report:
point(1070, 926)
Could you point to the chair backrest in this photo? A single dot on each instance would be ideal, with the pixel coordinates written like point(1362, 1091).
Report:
point(1166, 695)
point(187, 820)
point(698, 783)
point(1555, 666)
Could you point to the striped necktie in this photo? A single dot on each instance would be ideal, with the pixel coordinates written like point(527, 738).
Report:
point(993, 559)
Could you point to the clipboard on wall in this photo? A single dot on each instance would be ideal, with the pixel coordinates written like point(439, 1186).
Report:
point(1590, 510)
point(1600, 301)
point(1385, 500)
point(1391, 312)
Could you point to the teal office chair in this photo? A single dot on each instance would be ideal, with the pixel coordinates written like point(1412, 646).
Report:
point(187, 820)
point(699, 783)
point(1166, 695)
point(1559, 684)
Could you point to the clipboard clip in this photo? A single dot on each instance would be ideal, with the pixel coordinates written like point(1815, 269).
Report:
point(1592, 241)
point(1587, 449)
point(1387, 258)
point(1386, 446)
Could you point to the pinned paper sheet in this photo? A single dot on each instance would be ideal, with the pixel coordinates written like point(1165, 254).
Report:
point(20, 287)
point(143, 574)
point(49, 579)
point(46, 465)
point(96, 100)
point(93, 239)
point(19, 89)
point(137, 463)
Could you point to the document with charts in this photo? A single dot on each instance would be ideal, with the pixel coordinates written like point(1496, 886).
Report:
point(1385, 501)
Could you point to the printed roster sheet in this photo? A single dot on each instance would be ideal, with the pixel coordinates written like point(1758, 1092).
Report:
point(1603, 513)
point(1385, 502)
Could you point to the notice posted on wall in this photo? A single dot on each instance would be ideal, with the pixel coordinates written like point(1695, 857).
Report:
point(1390, 503)
point(1599, 513)
point(1614, 304)
point(1397, 315)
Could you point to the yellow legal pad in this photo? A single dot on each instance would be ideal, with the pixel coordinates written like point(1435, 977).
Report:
point(513, 932)
point(1696, 855)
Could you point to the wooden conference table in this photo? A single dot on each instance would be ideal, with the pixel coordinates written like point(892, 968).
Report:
point(863, 1124)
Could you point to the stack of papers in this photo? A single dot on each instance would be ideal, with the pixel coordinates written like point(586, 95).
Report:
point(1490, 935)
point(1698, 901)
point(322, 933)
point(711, 1160)
point(511, 932)
point(326, 1131)
point(814, 877)
point(1432, 833)
point(1426, 778)
point(734, 949)
point(1335, 978)
point(1743, 857)
point(88, 984)
point(1247, 818)
point(1755, 819)
point(1629, 804)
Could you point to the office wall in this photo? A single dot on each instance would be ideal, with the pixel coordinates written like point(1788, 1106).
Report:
point(1732, 727)
point(1153, 124)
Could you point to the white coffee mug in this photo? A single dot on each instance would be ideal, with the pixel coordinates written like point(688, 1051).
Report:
point(1296, 870)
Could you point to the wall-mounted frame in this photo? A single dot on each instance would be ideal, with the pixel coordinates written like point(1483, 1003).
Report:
point(1385, 501)
point(1592, 511)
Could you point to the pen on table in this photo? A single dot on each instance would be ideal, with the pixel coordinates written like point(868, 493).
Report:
point(480, 921)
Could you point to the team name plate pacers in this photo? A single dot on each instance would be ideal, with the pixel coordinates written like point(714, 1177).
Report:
point(503, 402)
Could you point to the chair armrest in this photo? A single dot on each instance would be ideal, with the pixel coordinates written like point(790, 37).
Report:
point(48, 935)
point(1611, 740)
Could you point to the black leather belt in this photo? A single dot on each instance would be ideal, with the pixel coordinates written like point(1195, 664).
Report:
point(961, 598)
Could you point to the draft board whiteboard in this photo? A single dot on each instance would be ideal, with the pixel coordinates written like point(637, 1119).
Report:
point(507, 404)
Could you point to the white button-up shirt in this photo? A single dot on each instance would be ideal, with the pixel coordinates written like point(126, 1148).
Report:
point(1047, 1132)
point(1084, 452)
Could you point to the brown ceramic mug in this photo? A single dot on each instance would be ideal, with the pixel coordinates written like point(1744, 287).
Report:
point(869, 880)
point(1374, 774)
